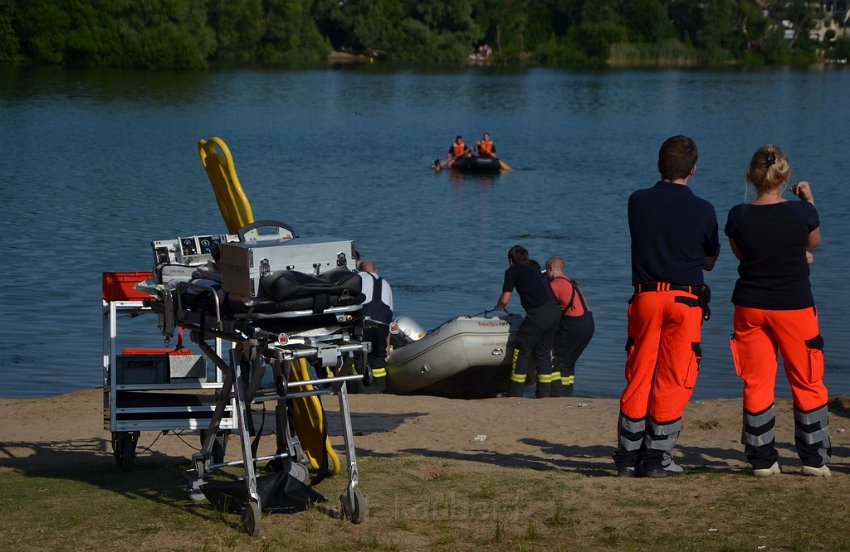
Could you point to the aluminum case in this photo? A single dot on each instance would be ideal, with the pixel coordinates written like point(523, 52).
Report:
point(243, 264)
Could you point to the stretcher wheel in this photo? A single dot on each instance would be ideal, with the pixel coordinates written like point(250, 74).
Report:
point(124, 448)
point(251, 516)
point(354, 506)
point(219, 447)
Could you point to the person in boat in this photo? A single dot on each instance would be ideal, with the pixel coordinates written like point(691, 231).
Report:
point(458, 150)
point(674, 238)
point(535, 334)
point(575, 329)
point(378, 306)
point(485, 146)
point(773, 239)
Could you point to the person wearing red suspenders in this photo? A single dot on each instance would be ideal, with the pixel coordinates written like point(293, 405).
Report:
point(575, 329)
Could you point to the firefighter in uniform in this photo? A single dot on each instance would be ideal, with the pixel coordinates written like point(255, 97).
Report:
point(537, 331)
point(378, 306)
point(774, 309)
point(674, 237)
point(575, 329)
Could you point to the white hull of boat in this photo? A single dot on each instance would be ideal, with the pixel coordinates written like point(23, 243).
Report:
point(457, 345)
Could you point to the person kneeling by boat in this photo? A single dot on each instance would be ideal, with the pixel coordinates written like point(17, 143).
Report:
point(537, 331)
point(378, 306)
point(575, 329)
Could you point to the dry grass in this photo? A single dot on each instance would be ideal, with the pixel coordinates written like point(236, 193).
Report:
point(419, 503)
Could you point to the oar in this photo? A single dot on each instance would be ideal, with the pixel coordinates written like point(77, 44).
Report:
point(505, 166)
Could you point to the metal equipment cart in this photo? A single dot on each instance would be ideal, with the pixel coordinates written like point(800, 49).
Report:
point(152, 389)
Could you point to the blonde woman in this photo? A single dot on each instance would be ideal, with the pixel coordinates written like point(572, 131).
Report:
point(773, 239)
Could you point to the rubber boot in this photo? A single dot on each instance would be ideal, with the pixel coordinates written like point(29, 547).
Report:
point(516, 389)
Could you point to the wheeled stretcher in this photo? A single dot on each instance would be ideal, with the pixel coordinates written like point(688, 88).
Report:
point(291, 310)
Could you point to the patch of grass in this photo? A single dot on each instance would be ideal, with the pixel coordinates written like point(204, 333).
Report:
point(473, 507)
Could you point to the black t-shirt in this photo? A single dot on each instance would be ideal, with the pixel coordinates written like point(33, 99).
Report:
point(772, 239)
point(534, 290)
point(673, 231)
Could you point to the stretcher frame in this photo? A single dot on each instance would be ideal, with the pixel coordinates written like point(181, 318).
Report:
point(244, 371)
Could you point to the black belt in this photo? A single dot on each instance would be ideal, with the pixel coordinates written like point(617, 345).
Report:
point(665, 286)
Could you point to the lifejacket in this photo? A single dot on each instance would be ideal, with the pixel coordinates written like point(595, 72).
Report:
point(376, 309)
point(485, 147)
point(458, 149)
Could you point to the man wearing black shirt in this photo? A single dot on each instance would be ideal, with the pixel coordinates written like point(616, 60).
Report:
point(674, 238)
point(537, 330)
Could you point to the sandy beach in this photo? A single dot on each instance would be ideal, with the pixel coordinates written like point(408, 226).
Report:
point(564, 433)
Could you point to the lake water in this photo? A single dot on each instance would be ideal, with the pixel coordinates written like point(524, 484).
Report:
point(96, 164)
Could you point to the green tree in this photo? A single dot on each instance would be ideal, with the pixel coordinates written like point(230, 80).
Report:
point(363, 24)
point(720, 34)
point(9, 44)
point(238, 28)
point(164, 34)
point(646, 21)
point(601, 25)
point(291, 34)
point(93, 37)
point(44, 26)
point(775, 49)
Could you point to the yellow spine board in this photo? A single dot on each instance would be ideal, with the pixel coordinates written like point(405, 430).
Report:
point(310, 423)
point(231, 199)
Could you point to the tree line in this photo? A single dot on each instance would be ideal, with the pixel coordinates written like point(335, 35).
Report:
point(193, 34)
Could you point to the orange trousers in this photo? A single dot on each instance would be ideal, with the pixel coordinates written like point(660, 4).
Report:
point(758, 335)
point(663, 355)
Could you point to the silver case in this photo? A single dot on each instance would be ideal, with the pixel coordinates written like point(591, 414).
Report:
point(242, 264)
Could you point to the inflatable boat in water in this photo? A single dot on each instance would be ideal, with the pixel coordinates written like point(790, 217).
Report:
point(477, 164)
point(465, 357)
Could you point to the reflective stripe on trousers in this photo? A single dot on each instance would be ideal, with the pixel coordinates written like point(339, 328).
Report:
point(759, 437)
point(811, 435)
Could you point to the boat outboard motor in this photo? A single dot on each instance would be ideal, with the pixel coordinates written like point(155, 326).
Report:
point(408, 332)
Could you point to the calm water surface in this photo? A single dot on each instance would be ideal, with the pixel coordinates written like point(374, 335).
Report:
point(95, 165)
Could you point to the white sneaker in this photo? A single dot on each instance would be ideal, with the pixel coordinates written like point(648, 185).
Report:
point(673, 467)
point(767, 472)
point(821, 471)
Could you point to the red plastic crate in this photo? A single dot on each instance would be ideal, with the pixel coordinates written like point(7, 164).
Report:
point(118, 286)
point(154, 351)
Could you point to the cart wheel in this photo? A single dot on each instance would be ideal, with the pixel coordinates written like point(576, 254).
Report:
point(219, 447)
point(355, 509)
point(251, 518)
point(124, 448)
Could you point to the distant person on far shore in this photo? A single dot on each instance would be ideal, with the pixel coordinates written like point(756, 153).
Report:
point(774, 310)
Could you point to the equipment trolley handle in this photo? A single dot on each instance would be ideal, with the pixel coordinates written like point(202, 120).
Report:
point(250, 231)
